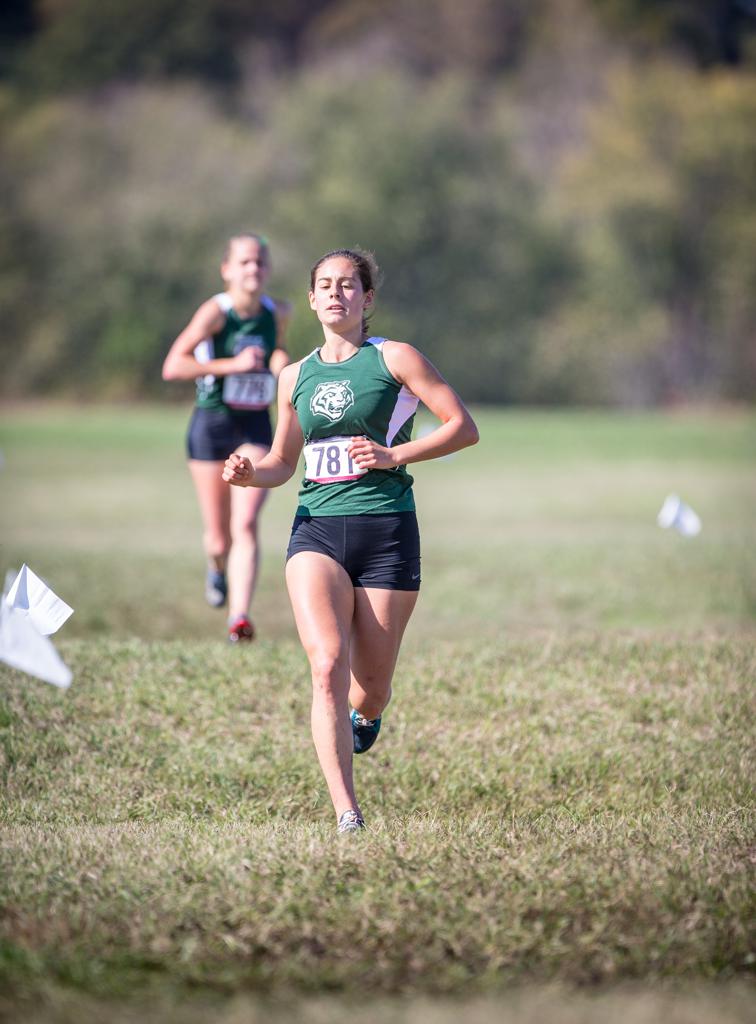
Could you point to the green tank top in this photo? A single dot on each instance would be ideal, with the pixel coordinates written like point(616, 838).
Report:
point(357, 397)
point(238, 393)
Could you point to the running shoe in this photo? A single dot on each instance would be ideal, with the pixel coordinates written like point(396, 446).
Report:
point(241, 630)
point(350, 821)
point(216, 588)
point(364, 732)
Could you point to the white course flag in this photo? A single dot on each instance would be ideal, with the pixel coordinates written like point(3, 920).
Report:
point(28, 594)
point(675, 514)
point(22, 647)
point(29, 611)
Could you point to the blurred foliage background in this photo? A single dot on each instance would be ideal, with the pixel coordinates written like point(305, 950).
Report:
point(562, 195)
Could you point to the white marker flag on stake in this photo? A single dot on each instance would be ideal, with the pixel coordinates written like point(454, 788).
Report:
point(675, 514)
point(29, 595)
point(28, 611)
point(22, 647)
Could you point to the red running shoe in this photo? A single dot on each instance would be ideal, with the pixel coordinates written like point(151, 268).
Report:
point(241, 631)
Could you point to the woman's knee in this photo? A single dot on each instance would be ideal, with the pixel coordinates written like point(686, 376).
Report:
point(244, 529)
point(217, 541)
point(330, 673)
point(370, 701)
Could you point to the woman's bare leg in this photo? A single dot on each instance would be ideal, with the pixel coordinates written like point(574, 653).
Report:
point(244, 554)
point(214, 502)
point(322, 597)
point(380, 618)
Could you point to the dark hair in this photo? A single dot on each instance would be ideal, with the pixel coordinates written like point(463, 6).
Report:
point(363, 262)
point(252, 236)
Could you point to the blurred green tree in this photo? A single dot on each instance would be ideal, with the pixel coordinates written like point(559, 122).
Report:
point(664, 203)
point(17, 25)
point(710, 31)
point(568, 228)
point(421, 174)
point(142, 193)
point(85, 44)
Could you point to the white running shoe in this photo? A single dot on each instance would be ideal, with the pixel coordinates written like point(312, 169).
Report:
point(350, 821)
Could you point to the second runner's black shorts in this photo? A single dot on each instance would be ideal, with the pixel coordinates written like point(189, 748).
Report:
point(214, 433)
point(381, 551)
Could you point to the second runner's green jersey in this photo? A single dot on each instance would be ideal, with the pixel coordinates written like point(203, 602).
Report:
point(357, 397)
point(238, 392)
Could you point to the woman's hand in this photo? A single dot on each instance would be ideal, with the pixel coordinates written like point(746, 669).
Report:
point(371, 455)
point(238, 470)
point(250, 358)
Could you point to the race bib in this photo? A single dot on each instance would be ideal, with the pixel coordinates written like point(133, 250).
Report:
point(249, 390)
point(328, 461)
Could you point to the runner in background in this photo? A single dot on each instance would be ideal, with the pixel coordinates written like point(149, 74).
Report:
point(234, 346)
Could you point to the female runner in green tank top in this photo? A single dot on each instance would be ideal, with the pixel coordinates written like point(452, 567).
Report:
point(234, 347)
point(353, 567)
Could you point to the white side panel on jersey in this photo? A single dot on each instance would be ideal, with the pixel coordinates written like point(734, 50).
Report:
point(203, 352)
point(406, 402)
point(406, 406)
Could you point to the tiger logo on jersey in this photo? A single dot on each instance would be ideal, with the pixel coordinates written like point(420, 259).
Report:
point(332, 399)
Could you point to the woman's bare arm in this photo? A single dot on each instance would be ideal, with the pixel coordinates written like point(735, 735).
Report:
point(280, 463)
point(182, 364)
point(456, 430)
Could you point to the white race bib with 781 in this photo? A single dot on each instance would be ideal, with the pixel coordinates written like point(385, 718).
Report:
point(254, 390)
point(328, 461)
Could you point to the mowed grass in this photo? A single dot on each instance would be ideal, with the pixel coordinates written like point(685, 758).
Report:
point(550, 521)
point(561, 800)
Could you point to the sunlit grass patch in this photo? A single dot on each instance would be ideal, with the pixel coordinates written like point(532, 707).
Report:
point(543, 810)
point(560, 805)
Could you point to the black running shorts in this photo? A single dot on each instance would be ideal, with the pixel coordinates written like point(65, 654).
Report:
point(214, 433)
point(381, 551)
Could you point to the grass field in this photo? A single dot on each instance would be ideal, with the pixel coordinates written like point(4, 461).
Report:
point(561, 802)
